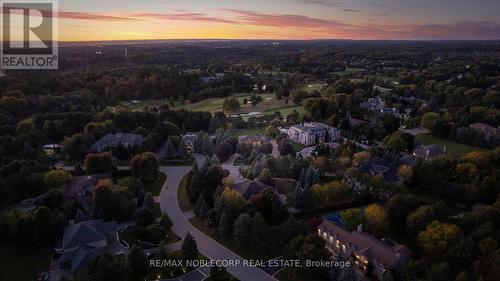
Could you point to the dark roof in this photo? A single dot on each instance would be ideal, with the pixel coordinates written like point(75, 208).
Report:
point(379, 166)
point(83, 241)
point(408, 160)
point(91, 232)
point(249, 188)
point(114, 140)
point(428, 152)
point(383, 252)
point(83, 185)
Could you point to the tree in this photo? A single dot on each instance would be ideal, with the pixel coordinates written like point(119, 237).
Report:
point(218, 274)
point(165, 221)
point(419, 219)
point(189, 248)
point(376, 218)
point(258, 231)
point(98, 163)
point(265, 176)
point(57, 178)
point(242, 229)
point(137, 263)
point(437, 238)
point(224, 225)
point(272, 131)
point(145, 167)
point(352, 218)
point(230, 104)
point(266, 148)
point(430, 119)
point(400, 206)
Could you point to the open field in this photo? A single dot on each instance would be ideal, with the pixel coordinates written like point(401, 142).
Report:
point(313, 87)
point(20, 263)
point(452, 148)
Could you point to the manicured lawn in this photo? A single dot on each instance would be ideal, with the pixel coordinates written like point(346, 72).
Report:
point(182, 194)
point(214, 234)
point(298, 146)
point(285, 111)
point(313, 87)
point(20, 263)
point(246, 132)
point(452, 148)
point(155, 187)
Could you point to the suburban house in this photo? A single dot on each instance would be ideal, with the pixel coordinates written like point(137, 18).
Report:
point(52, 150)
point(313, 133)
point(377, 104)
point(487, 130)
point(188, 141)
point(249, 188)
point(83, 241)
point(428, 152)
point(253, 139)
point(115, 140)
point(366, 249)
point(379, 167)
point(81, 189)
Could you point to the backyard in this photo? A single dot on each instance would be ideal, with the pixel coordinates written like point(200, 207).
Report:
point(452, 148)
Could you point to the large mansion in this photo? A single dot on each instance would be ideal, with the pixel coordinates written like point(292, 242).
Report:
point(366, 249)
point(313, 133)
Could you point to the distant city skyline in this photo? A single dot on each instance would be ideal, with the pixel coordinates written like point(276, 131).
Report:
point(281, 19)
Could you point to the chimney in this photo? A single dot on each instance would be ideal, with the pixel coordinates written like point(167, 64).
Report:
point(427, 154)
point(360, 228)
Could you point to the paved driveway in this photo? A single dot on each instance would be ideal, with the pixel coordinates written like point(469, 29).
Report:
point(206, 245)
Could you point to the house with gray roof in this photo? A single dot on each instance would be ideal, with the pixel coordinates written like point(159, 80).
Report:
point(114, 140)
point(83, 241)
point(81, 189)
point(313, 133)
point(428, 152)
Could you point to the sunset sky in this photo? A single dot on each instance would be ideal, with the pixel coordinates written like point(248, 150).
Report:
point(278, 19)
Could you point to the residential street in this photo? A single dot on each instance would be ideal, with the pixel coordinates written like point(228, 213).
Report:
point(206, 245)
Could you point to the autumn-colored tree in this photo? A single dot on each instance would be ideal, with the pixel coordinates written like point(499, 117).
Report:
point(352, 218)
point(361, 156)
point(406, 172)
point(436, 239)
point(145, 167)
point(376, 218)
point(57, 178)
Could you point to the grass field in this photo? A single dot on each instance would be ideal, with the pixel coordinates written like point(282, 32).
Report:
point(452, 148)
point(246, 132)
point(20, 263)
point(182, 194)
point(313, 87)
point(155, 187)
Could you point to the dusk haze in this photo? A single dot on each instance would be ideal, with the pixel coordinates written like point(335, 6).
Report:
point(249, 140)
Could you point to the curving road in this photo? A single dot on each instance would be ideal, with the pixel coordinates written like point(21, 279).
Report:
point(206, 245)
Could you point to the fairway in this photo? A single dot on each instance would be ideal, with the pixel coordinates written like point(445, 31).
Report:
point(452, 148)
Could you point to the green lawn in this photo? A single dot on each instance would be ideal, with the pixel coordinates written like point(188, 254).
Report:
point(20, 263)
point(285, 111)
point(452, 148)
point(182, 194)
point(313, 87)
point(155, 187)
point(298, 146)
point(247, 132)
